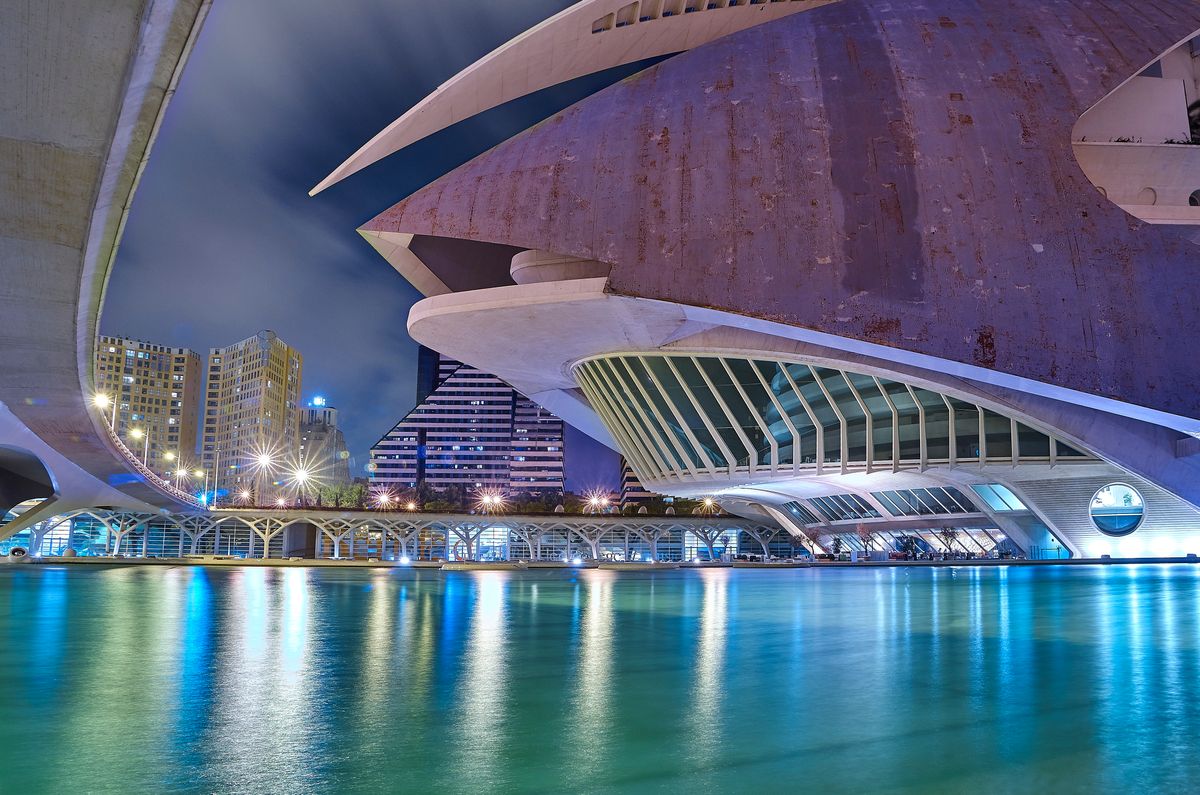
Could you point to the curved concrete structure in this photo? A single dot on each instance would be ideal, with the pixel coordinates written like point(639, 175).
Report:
point(824, 190)
point(588, 37)
point(84, 91)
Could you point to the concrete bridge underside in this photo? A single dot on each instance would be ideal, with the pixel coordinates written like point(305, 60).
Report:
point(84, 89)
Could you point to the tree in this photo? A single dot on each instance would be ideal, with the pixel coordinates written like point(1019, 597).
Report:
point(836, 546)
point(866, 534)
point(948, 535)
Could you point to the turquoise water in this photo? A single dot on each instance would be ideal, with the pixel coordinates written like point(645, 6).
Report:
point(140, 679)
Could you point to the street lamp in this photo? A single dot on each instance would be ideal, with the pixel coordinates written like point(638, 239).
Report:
point(490, 502)
point(138, 433)
point(300, 477)
point(412, 506)
point(102, 402)
point(264, 466)
point(203, 473)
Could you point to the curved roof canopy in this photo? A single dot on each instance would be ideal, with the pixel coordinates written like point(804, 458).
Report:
point(588, 37)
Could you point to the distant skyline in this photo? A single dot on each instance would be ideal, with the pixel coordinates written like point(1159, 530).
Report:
point(223, 240)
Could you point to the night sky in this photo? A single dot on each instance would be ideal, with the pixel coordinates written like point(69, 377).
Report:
point(223, 240)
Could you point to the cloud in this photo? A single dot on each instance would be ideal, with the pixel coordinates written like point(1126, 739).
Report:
point(223, 240)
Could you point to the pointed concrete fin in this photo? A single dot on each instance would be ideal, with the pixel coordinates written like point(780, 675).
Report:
point(589, 37)
point(393, 247)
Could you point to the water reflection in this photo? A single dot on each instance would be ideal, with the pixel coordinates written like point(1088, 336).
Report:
point(192, 679)
point(708, 691)
point(481, 724)
point(591, 716)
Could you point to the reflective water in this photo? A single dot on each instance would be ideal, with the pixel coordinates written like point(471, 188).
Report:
point(313, 680)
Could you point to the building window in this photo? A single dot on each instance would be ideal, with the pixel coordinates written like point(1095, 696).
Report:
point(1117, 509)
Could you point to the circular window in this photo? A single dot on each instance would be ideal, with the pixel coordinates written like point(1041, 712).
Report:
point(1117, 509)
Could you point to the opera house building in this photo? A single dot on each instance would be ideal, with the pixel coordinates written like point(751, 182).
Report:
point(902, 266)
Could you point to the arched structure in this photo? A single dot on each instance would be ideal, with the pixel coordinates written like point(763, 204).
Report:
point(887, 195)
point(84, 89)
point(401, 536)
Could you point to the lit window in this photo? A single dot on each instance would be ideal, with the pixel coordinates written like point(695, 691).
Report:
point(1117, 509)
point(999, 498)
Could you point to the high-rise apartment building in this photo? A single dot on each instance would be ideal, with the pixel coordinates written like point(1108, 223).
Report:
point(322, 444)
point(470, 429)
point(155, 394)
point(632, 490)
point(250, 407)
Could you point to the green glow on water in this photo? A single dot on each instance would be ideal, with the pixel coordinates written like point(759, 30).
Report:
point(137, 679)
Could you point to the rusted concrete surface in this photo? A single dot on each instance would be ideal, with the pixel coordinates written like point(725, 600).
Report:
point(900, 174)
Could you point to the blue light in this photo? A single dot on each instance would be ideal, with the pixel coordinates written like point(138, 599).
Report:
point(318, 401)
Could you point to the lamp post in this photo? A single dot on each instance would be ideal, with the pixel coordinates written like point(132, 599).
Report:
point(138, 433)
point(102, 401)
point(203, 473)
point(264, 465)
point(301, 477)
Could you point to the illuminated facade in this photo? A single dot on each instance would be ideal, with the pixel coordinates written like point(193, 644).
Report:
point(471, 430)
point(322, 444)
point(156, 390)
point(882, 275)
point(250, 410)
point(632, 490)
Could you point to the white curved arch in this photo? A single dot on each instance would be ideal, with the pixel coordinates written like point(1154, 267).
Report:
point(588, 37)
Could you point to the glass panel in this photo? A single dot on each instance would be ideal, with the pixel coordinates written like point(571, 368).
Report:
point(709, 405)
point(832, 427)
point(800, 512)
point(743, 415)
point(1013, 502)
point(999, 435)
point(960, 499)
point(832, 510)
point(657, 435)
point(937, 424)
point(865, 509)
point(622, 403)
point(926, 506)
point(679, 399)
point(598, 398)
point(856, 418)
point(1117, 509)
point(744, 373)
point(1067, 451)
point(909, 420)
point(673, 428)
point(966, 429)
point(881, 415)
point(1033, 444)
point(992, 499)
point(773, 374)
point(888, 503)
point(936, 499)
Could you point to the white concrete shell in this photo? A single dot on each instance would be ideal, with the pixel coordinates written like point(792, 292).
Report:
point(588, 37)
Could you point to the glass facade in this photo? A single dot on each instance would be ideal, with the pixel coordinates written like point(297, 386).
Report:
point(684, 417)
point(925, 502)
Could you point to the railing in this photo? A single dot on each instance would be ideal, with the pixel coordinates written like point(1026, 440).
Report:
point(149, 474)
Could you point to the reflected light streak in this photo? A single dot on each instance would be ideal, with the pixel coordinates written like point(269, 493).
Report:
point(482, 709)
point(591, 716)
point(708, 692)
